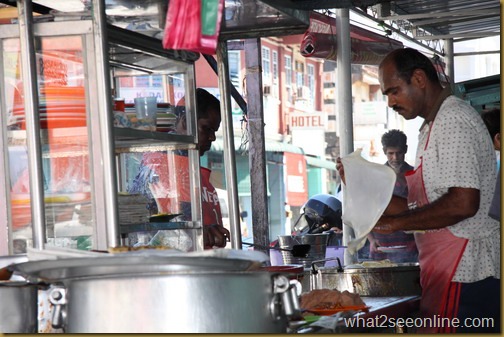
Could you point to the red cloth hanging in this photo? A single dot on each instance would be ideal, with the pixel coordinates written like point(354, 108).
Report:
point(193, 25)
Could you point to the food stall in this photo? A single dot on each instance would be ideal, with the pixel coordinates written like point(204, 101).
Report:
point(71, 152)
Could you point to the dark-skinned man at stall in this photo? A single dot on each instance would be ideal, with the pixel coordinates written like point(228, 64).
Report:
point(165, 180)
point(449, 195)
point(398, 246)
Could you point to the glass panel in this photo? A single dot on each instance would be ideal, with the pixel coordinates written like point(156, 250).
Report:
point(154, 183)
point(169, 91)
point(63, 121)
point(17, 148)
point(155, 179)
point(65, 155)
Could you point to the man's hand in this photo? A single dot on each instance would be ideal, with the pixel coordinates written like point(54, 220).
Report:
point(373, 244)
point(215, 236)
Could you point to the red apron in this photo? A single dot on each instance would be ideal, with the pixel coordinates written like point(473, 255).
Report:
point(439, 253)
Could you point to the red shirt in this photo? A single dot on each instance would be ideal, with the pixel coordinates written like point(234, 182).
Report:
point(172, 190)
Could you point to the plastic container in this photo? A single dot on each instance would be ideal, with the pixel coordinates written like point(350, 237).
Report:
point(146, 111)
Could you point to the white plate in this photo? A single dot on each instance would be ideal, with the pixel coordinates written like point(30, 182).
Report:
point(391, 249)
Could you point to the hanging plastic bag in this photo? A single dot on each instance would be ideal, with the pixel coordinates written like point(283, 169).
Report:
point(193, 25)
point(366, 195)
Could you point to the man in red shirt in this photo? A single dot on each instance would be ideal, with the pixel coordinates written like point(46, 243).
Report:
point(164, 176)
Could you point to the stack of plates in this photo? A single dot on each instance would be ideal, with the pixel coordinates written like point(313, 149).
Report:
point(165, 122)
point(59, 107)
point(165, 119)
point(133, 209)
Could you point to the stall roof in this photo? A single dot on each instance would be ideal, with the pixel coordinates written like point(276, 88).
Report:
point(242, 18)
point(426, 19)
point(423, 20)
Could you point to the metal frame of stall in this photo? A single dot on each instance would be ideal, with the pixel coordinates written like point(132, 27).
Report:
point(99, 130)
point(97, 69)
point(256, 121)
point(254, 111)
point(256, 130)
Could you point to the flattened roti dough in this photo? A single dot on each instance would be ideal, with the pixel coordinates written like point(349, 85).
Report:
point(366, 195)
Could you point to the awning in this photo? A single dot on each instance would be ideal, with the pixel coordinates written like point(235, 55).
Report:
point(322, 163)
point(270, 146)
point(366, 47)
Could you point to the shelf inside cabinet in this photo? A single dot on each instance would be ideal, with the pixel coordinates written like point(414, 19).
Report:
point(155, 226)
point(132, 140)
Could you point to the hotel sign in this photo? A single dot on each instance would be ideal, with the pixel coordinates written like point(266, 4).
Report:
point(316, 120)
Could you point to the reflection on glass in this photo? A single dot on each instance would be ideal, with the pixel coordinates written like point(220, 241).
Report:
point(169, 91)
point(65, 153)
point(17, 149)
point(63, 111)
point(159, 183)
point(162, 177)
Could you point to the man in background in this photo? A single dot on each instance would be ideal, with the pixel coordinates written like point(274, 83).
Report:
point(164, 177)
point(398, 246)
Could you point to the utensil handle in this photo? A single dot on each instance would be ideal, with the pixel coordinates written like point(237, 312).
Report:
point(264, 247)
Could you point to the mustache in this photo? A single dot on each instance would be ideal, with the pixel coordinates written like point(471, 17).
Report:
point(396, 108)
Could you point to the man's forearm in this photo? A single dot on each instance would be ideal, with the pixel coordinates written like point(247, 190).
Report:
point(456, 205)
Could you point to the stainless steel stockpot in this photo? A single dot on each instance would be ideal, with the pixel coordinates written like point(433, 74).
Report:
point(18, 301)
point(173, 295)
point(18, 307)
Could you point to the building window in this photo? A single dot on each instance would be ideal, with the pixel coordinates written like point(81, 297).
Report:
point(290, 97)
point(275, 65)
point(311, 82)
point(234, 68)
point(266, 64)
point(288, 70)
point(300, 79)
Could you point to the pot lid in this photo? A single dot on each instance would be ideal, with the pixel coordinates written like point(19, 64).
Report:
point(116, 266)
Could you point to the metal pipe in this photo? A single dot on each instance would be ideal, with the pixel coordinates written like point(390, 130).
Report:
point(6, 246)
point(450, 64)
point(344, 102)
point(106, 131)
point(476, 53)
point(397, 31)
point(229, 147)
point(257, 151)
point(31, 105)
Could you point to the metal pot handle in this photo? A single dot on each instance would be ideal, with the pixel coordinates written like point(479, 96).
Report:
point(287, 294)
point(57, 297)
point(315, 271)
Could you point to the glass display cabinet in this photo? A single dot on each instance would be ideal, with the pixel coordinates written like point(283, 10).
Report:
point(72, 143)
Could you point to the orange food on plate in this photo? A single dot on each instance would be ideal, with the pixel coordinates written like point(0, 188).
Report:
point(331, 301)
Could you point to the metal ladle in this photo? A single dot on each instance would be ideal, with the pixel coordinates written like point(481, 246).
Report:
point(296, 251)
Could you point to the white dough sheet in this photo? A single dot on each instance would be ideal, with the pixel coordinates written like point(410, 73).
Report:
point(366, 195)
